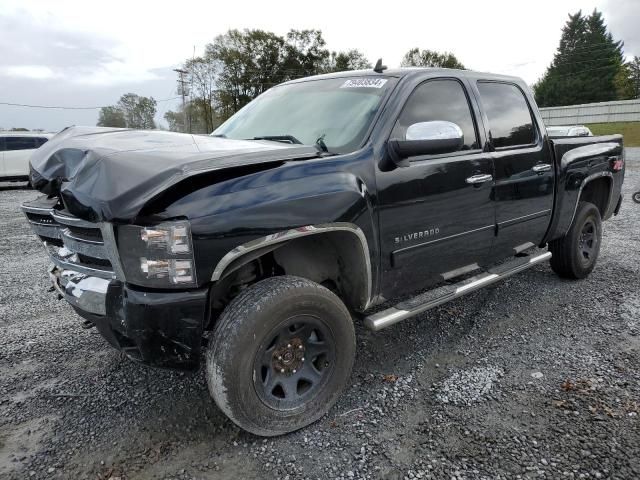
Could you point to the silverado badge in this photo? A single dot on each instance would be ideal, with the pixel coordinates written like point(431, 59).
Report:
point(408, 237)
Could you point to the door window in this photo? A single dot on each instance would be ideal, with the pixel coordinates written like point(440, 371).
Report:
point(509, 117)
point(41, 141)
point(19, 143)
point(439, 100)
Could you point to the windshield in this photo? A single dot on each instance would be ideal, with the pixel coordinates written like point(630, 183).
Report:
point(336, 112)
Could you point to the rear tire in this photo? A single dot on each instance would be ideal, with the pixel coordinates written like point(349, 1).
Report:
point(636, 197)
point(575, 255)
point(281, 354)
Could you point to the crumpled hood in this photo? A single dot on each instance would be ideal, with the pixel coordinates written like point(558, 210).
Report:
point(105, 174)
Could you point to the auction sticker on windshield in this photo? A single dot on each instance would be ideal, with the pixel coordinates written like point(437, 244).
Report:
point(364, 83)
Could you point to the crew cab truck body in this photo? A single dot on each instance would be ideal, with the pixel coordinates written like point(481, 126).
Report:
point(323, 197)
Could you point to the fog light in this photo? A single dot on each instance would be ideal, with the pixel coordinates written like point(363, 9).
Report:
point(177, 270)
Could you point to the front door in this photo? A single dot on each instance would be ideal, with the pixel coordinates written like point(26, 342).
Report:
point(436, 215)
point(524, 174)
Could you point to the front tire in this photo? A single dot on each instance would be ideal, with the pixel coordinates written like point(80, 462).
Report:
point(636, 197)
point(281, 354)
point(575, 255)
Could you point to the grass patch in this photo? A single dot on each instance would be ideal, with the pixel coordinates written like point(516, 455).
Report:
point(630, 131)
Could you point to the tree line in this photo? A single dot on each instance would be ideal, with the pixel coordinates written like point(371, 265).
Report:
point(588, 66)
point(240, 65)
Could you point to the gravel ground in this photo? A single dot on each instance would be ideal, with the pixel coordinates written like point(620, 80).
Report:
point(535, 377)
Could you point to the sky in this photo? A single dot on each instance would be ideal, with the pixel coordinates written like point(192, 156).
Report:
point(87, 53)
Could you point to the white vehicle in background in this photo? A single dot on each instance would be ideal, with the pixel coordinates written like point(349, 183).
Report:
point(569, 131)
point(15, 150)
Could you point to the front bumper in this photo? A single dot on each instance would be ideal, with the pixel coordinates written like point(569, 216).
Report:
point(161, 329)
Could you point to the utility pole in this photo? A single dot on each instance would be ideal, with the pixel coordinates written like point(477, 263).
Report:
point(182, 91)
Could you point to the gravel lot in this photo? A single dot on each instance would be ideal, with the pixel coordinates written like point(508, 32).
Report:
point(536, 377)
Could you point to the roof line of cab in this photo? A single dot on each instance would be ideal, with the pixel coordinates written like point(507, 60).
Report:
point(10, 133)
point(408, 72)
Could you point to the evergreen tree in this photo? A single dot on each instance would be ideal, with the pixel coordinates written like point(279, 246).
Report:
point(586, 68)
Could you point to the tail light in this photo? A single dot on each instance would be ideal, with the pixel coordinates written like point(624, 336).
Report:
point(617, 163)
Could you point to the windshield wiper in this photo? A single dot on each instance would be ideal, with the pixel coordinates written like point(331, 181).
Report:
point(279, 138)
point(321, 145)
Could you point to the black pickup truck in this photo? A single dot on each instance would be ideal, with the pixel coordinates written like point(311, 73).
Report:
point(260, 245)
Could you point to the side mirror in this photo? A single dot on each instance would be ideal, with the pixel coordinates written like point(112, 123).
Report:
point(427, 138)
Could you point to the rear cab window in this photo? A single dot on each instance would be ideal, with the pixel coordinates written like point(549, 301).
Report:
point(510, 122)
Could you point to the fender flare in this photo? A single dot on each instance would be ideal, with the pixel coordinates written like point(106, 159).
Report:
point(584, 183)
point(272, 241)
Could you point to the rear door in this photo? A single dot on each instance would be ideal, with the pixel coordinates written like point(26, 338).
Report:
point(436, 215)
point(524, 171)
point(18, 150)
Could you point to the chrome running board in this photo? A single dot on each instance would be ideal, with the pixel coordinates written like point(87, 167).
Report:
point(432, 298)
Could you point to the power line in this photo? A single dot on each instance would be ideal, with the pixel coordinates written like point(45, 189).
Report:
point(596, 61)
point(164, 109)
point(587, 55)
point(580, 72)
point(69, 108)
point(47, 106)
point(593, 47)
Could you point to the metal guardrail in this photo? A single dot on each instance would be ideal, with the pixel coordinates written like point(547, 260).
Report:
point(604, 112)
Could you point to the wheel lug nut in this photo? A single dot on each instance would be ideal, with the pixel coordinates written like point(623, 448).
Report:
point(302, 359)
point(299, 347)
point(279, 357)
point(288, 345)
point(294, 370)
point(282, 370)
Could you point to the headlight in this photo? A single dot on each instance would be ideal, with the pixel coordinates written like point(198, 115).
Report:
point(172, 238)
point(159, 256)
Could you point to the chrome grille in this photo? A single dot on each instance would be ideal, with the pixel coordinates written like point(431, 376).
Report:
point(73, 243)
